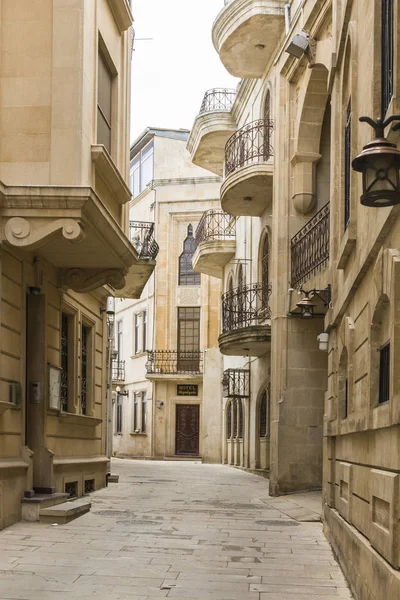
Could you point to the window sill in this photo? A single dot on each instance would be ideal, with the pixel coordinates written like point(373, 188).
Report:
point(8, 406)
point(138, 433)
point(75, 419)
point(110, 174)
point(139, 354)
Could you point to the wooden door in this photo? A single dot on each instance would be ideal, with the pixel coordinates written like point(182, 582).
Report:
point(187, 429)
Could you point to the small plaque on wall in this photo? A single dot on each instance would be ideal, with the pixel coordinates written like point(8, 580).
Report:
point(187, 390)
point(54, 388)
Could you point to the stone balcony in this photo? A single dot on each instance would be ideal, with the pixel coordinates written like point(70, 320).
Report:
point(74, 230)
point(246, 321)
point(246, 33)
point(215, 243)
point(176, 365)
point(247, 189)
point(212, 128)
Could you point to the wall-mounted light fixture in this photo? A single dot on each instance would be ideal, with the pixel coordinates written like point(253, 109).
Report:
point(379, 163)
point(301, 44)
point(35, 290)
point(307, 304)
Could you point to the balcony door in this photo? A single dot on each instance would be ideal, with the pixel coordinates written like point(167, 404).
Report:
point(187, 429)
point(189, 339)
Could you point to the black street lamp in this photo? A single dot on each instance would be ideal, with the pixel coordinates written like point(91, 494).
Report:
point(379, 163)
point(307, 304)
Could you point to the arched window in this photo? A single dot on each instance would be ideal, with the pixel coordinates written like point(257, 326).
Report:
point(265, 271)
point(240, 296)
point(240, 276)
point(267, 106)
point(234, 418)
point(264, 415)
point(186, 274)
point(343, 385)
point(229, 420)
point(240, 408)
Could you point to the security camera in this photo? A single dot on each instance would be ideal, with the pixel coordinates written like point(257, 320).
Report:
point(110, 310)
point(323, 339)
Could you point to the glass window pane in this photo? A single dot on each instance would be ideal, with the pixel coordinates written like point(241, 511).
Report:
point(103, 131)
point(104, 89)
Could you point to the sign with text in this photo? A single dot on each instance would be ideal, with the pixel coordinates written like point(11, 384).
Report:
point(187, 390)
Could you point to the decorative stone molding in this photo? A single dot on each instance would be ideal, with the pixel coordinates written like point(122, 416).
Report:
point(304, 197)
point(122, 13)
point(24, 233)
point(86, 280)
point(188, 296)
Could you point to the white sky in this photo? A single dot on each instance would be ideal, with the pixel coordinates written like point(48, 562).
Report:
point(171, 73)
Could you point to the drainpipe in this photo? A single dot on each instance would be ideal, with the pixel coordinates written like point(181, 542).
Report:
point(287, 18)
point(110, 332)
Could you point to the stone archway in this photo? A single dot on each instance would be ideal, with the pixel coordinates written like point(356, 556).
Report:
point(307, 139)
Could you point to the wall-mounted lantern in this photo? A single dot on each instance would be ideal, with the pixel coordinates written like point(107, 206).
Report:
point(379, 163)
point(307, 303)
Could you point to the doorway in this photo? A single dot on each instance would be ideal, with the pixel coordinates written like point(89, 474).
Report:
point(187, 429)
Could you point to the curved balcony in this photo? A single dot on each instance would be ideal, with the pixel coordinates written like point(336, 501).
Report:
point(247, 189)
point(246, 33)
point(212, 128)
point(142, 238)
point(174, 365)
point(215, 243)
point(246, 321)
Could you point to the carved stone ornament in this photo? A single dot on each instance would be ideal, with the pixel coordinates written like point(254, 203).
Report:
point(87, 280)
point(23, 234)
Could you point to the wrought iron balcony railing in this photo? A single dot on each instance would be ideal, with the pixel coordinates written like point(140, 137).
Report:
point(310, 248)
point(221, 99)
point(118, 370)
point(215, 225)
point(142, 238)
point(250, 144)
point(245, 306)
point(170, 362)
point(236, 383)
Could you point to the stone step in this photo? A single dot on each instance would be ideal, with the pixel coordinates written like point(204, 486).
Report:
point(185, 458)
point(31, 507)
point(112, 478)
point(65, 512)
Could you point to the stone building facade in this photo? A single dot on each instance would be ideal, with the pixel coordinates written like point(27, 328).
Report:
point(167, 342)
point(284, 142)
point(64, 241)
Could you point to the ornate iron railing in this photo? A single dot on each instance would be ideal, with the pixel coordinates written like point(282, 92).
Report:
point(236, 383)
point(245, 306)
point(118, 370)
point(142, 238)
point(169, 362)
point(251, 144)
point(218, 99)
point(310, 248)
point(215, 225)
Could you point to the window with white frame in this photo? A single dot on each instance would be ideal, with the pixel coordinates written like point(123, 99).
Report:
point(140, 332)
point(144, 331)
point(138, 348)
point(135, 418)
point(142, 169)
point(119, 340)
point(144, 412)
point(139, 413)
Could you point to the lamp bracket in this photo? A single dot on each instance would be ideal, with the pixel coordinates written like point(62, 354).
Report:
point(380, 124)
point(324, 295)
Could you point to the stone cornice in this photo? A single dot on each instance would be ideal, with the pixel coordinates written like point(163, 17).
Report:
point(122, 14)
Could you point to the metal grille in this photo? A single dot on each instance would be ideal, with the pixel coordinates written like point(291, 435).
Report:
point(245, 306)
point(64, 361)
point(387, 53)
point(251, 144)
point(384, 374)
point(89, 486)
point(229, 420)
point(172, 361)
point(220, 99)
point(310, 247)
point(215, 225)
point(71, 488)
point(240, 417)
point(234, 418)
point(236, 383)
point(84, 369)
point(347, 166)
point(142, 238)
point(118, 370)
point(263, 415)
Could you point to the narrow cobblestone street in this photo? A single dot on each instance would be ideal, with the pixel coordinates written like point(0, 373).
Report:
point(177, 530)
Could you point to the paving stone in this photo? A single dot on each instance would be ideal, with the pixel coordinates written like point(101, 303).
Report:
point(188, 531)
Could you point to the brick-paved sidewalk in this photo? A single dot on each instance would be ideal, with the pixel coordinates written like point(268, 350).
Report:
point(176, 530)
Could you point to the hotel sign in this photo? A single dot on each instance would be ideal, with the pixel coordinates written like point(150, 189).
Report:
point(187, 390)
